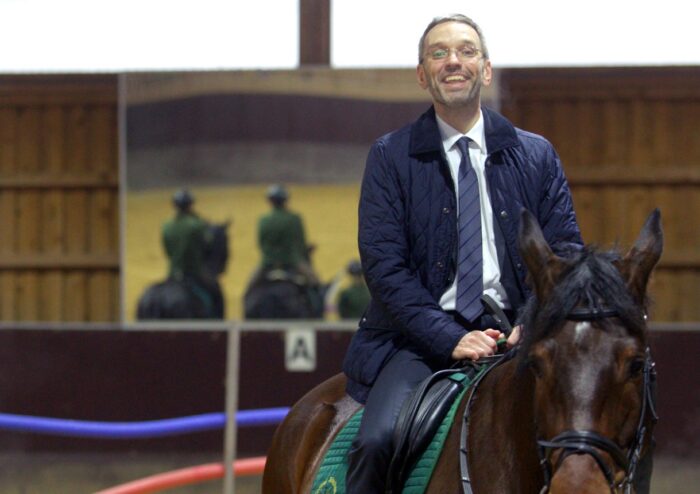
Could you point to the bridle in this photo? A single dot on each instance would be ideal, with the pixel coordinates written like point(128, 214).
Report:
point(578, 441)
point(586, 442)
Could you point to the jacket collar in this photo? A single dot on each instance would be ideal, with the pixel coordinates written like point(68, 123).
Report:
point(425, 135)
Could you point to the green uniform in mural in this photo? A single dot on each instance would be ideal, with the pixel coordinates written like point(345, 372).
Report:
point(282, 240)
point(185, 239)
point(353, 300)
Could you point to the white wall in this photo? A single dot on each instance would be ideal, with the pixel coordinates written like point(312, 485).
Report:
point(116, 35)
point(525, 33)
point(132, 35)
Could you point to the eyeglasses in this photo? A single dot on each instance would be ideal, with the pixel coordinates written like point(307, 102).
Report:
point(464, 54)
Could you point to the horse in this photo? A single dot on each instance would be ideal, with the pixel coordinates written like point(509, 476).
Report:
point(188, 299)
point(216, 255)
point(568, 410)
point(280, 294)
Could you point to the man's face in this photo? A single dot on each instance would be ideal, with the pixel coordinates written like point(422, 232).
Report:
point(448, 72)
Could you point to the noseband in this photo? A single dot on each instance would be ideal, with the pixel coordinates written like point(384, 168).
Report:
point(584, 442)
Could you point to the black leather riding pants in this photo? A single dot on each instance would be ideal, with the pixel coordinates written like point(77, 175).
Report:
point(372, 449)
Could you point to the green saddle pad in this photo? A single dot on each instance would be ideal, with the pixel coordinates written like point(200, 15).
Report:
point(330, 478)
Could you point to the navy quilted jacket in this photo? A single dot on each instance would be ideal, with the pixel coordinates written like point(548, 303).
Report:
point(408, 235)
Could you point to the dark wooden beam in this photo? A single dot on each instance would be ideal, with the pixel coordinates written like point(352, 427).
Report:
point(314, 32)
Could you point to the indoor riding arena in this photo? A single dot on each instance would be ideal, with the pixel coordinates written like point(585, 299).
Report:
point(94, 400)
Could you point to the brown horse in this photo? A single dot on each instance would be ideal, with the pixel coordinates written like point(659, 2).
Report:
point(570, 413)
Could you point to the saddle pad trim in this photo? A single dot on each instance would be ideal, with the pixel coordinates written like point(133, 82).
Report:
point(421, 473)
point(330, 478)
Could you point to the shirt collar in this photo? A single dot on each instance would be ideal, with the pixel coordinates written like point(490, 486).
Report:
point(450, 135)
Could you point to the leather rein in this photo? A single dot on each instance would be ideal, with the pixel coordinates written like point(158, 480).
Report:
point(578, 441)
point(492, 362)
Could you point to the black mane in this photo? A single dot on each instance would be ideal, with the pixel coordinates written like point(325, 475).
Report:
point(590, 281)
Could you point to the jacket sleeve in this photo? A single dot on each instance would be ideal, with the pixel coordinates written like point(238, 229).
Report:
point(386, 259)
point(556, 210)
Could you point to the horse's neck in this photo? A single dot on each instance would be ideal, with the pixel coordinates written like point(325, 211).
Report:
point(501, 432)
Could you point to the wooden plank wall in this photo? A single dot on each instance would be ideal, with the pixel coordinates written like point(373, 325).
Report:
point(629, 139)
point(59, 198)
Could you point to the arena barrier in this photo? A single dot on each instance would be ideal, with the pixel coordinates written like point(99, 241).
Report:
point(186, 476)
point(230, 419)
point(138, 430)
point(155, 428)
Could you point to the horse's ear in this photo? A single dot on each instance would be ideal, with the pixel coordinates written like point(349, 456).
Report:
point(637, 264)
point(543, 266)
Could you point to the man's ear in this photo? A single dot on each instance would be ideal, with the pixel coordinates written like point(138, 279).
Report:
point(421, 76)
point(487, 73)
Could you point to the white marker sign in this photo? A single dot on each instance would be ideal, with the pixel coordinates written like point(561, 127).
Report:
point(300, 350)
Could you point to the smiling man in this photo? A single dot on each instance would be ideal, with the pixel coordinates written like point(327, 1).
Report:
point(454, 87)
point(438, 221)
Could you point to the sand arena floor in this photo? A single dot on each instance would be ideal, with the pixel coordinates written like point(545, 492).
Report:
point(88, 473)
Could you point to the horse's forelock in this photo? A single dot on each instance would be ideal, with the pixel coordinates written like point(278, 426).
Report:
point(591, 280)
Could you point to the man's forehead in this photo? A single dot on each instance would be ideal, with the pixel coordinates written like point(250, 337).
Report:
point(451, 31)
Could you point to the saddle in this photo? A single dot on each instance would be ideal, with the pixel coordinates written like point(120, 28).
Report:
point(424, 411)
point(420, 417)
point(284, 274)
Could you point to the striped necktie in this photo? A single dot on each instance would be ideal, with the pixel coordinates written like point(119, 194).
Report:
point(469, 257)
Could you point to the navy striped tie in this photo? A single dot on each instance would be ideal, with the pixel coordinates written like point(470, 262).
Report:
point(469, 257)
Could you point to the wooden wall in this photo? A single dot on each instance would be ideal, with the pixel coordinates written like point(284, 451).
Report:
point(629, 139)
point(58, 198)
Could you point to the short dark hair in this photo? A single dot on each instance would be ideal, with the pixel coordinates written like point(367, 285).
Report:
point(453, 18)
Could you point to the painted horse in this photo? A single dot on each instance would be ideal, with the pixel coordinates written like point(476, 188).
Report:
point(189, 299)
point(283, 294)
point(568, 411)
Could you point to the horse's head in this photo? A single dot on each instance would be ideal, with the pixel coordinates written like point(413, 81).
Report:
point(586, 345)
point(217, 253)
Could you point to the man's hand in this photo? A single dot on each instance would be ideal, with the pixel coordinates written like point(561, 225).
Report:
point(477, 344)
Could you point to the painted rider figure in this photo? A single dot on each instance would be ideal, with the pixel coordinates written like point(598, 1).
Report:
point(354, 298)
point(282, 240)
point(186, 238)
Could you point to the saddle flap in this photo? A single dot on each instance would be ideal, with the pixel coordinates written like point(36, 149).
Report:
point(420, 417)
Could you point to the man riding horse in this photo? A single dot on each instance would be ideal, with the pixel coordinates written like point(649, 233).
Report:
point(438, 226)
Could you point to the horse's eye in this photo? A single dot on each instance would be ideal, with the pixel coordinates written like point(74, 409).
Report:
point(636, 367)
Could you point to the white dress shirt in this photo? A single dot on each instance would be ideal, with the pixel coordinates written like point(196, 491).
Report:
point(477, 154)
